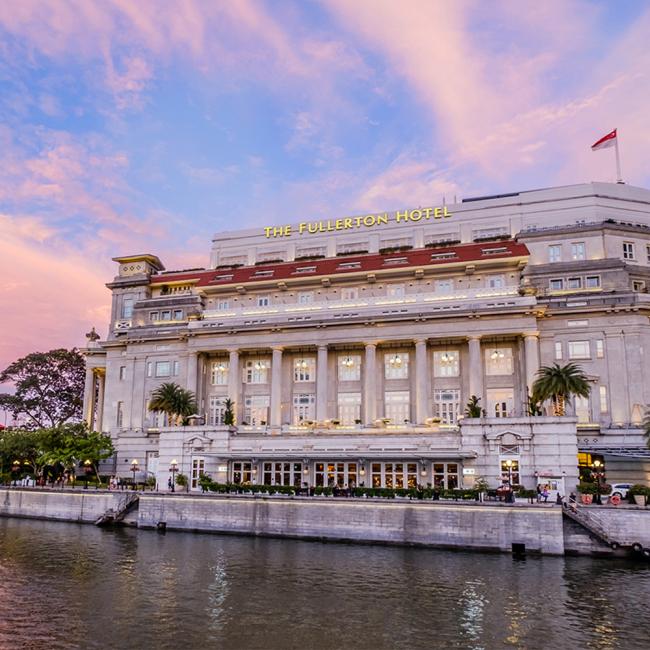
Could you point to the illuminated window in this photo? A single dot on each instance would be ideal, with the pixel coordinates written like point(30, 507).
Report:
point(217, 411)
point(256, 410)
point(500, 402)
point(510, 471)
point(397, 406)
point(396, 366)
point(394, 475)
point(256, 371)
point(578, 250)
point(303, 408)
point(219, 373)
point(304, 369)
point(241, 472)
point(498, 361)
point(446, 363)
point(445, 476)
point(349, 366)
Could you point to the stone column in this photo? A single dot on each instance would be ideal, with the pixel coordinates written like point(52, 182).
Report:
point(89, 398)
point(321, 384)
point(531, 353)
point(370, 384)
point(192, 371)
point(421, 381)
point(276, 388)
point(101, 380)
point(475, 368)
point(234, 384)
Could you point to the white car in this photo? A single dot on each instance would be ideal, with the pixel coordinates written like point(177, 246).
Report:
point(620, 489)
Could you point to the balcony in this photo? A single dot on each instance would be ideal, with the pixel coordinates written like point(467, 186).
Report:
point(433, 302)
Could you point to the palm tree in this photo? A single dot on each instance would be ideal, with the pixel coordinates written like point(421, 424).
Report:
point(559, 383)
point(176, 402)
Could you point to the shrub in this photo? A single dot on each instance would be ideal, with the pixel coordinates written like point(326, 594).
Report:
point(587, 488)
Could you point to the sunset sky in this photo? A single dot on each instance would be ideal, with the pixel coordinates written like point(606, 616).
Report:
point(131, 127)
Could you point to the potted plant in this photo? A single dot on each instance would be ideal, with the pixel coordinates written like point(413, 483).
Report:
point(639, 493)
point(587, 491)
point(604, 490)
point(229, 415)
point(473, 408)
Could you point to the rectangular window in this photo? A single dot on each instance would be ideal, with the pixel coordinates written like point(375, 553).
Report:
point(166, 314)
point(150, 369)
point(510, 471)
point(122, 373)
point(602, 392)
point(313, 251)
point(256, 371)
point(446, 404)
point(574, 283)
point(219, 371)
point(119, 420)
point(304, 406)
point(351, 247)
point(282, 473)
point(223, 305)
point(498, 361)
point(263, 274)
point(578, 250)
point(444, 286)
point(558, 350)
point(127, 307)
point(628, 250)
point(242, 472)
point(495, 231)
point(446, 363)
point(175, 367)
point(582, 409)
point(556, 284)
point(638, 285)
point(445, 476)
point(577, 323)
point(500, 402)
point(256, 410)
point(397, 406)
point(349, 366)
point(263, 301)
point(592, 281)
point(178, 314)
point(395, 290)
point(163, 369)
point(346, 266)
point(338, 474)
point(647, 253)
point(579, 350)
point(496, 282)
point(396, 366)
point(305, 297)
point(305, 269)
point(304, 369)
point(394, 475)
point(600, 349)
point(153, 316)
point(270, 256)
point(555, 253)
point(217, 410)
point(350, 293)
point(349, 407)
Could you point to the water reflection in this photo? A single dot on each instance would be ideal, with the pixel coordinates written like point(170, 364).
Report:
point(69, 586)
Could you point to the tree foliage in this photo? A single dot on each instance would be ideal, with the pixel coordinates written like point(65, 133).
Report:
point(559, 383)
point(176, 402)
point(49, 388)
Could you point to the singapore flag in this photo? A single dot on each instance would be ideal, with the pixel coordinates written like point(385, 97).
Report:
point(606, 141)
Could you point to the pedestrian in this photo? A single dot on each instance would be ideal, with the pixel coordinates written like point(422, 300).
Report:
point(559, 499)
point(539, 493)
point(545, 494)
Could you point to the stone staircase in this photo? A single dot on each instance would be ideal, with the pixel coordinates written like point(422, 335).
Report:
point(584, 533)
point(126, 504)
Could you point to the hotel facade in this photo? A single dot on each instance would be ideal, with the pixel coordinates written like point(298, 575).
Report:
point(350, 346)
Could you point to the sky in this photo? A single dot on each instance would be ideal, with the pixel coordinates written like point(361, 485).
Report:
point(131, 127)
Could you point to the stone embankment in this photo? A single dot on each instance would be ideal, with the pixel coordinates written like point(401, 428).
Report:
point(463, 525)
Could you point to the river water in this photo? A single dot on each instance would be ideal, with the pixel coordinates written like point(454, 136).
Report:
point(73, 586)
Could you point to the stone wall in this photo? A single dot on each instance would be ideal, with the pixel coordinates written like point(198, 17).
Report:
point(469, 526)
point(80, 506)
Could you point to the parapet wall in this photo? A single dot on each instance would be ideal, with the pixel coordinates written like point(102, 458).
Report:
point(465, 526)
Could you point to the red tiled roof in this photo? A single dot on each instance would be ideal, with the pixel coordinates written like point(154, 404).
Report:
point(462, 253)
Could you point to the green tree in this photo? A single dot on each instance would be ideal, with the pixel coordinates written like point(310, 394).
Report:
point(49, 388)
point(229, 412)
point(559, 383)
point(473, 408)
point(176, 402)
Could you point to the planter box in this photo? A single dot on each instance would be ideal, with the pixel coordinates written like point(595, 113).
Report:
point(639, 499)
point(587, 499)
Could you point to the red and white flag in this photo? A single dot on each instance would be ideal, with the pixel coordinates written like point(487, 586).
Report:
point(608, 140)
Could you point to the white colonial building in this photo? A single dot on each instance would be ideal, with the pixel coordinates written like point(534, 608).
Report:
point(350, 346)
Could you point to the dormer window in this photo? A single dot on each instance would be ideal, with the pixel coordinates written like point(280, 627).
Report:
point(305, 269)
point(395, 261)
point(348, 265)
point(494, 251)
point(263, 274)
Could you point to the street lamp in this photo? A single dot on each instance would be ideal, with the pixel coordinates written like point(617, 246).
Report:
point(510, 491)
point(88, 468)
point(15, 470)
point(134, 469)
point(173, 468)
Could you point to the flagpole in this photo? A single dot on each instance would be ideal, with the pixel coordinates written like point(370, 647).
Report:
point(619, 179)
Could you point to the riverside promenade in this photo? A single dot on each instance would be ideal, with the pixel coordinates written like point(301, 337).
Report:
point(607, 531)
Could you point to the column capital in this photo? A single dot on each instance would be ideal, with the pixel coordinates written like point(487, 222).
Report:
point(370, 345)
point(277, 348)
point(322, 346)
point(474, 337)
point(233, 350)
point(421, 341)
point(530, 335)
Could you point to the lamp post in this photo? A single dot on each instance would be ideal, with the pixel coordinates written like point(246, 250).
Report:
point(134, 469)
point(173, 468)
point(511, 498)
point(88, 468)
point(596, 466)
point(15, 470)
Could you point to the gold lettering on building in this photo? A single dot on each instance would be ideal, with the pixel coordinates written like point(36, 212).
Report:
point(354, 223)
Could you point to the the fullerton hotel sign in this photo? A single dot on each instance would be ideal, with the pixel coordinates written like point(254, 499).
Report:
point(354, 223)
